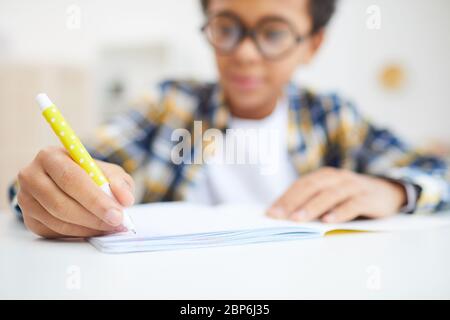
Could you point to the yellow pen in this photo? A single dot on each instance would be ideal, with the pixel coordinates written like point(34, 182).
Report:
point(77, 151)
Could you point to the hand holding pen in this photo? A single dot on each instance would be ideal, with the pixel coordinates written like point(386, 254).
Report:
point(63, 192)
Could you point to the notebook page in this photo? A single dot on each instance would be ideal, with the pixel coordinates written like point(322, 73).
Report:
point(178, 225)
point(178, 218)
point(399, 222)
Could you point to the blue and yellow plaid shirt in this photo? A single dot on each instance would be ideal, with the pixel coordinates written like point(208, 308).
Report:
point(323, 130)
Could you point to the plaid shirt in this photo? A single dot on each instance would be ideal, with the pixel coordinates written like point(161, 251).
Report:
point(323, 130)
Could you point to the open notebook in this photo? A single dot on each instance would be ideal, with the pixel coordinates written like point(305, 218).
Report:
point(173, 226)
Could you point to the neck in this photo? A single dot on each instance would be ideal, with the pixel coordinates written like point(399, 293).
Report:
point(256, 112)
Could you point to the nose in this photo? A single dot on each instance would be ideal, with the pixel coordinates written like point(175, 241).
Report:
point(247, 51)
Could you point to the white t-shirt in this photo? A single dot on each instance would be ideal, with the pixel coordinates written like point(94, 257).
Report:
point(259, 171)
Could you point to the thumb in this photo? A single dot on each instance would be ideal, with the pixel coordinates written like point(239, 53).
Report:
point(121, 183)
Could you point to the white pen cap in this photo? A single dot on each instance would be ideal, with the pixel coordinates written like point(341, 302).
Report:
point(44, 101)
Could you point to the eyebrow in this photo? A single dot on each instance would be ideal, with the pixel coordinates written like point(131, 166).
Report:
point(263, 18)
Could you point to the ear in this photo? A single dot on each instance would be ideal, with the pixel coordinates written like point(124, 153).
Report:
point(313, 45)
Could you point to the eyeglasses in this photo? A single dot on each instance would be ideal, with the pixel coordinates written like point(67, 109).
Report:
point(274, 37)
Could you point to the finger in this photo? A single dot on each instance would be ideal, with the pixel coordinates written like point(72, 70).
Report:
point(121, 183)
point(76, 183)
point(40, 229)
point(31, 223)
point(325, 201)
point(37, 212)
point(114, 170)
point(347, 211)
point(302, 190)
point(60, 205)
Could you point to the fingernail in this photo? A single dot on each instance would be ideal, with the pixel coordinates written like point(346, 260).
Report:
point(114, 217)
point(121, 229)
point(125, 184)
point(300, 215)
point(277, 212)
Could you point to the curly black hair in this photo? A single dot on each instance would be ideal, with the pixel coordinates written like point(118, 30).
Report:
point(321, 12)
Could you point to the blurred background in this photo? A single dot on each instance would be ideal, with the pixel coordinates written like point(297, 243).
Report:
point(92, 57)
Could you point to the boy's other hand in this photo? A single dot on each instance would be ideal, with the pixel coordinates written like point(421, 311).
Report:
point(59, 199)
point(336, 195)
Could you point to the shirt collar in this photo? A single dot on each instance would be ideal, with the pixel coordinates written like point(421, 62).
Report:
point(219, 114)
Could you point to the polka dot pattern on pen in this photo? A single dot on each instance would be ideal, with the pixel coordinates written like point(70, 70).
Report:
point(73, 145)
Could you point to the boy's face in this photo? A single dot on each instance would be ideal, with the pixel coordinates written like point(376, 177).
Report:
point(251, 82)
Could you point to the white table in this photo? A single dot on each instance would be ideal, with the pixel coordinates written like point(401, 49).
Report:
point(385, 265)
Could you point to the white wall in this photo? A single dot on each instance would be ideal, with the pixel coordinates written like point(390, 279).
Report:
point(37, 30)
point(415, 34)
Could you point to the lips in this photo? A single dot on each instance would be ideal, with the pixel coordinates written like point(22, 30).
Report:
point(245, 83)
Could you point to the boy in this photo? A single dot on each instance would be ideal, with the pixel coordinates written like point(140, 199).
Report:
point(333, 164)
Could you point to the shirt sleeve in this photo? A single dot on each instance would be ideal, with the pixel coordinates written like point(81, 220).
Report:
point(358, 144)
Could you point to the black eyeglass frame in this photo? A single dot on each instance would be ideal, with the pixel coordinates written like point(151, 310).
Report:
point(245, 32)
